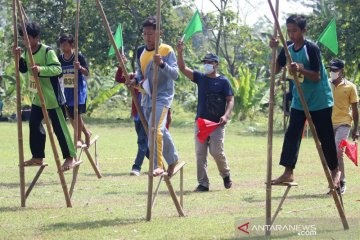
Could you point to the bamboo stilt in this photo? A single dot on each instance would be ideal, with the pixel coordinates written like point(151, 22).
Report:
point(18, 112)
point(270, 132)
point(312, 127)
point(173, 196)
point(122, 65)
point(153, 116)
point(76, 78)
point(44, 110)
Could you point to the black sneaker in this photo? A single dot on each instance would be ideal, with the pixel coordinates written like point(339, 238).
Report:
point(227, 182)
point(201, 188)
point(342, 187)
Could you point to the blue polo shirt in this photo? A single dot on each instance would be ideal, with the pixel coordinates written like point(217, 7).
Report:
point(220, 85)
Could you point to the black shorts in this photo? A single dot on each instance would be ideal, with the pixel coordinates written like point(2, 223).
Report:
point(70, 110)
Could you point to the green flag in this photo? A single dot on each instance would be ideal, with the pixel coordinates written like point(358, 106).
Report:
point(118, 40)
point(193, 26)
point(329, 37)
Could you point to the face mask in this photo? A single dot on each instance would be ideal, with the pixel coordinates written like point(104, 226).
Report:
point(208, 68)
point(334, 75)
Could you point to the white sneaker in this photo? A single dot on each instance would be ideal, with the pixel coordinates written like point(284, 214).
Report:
point(135, 172)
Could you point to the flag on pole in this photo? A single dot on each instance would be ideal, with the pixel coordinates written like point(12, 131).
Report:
point(329, 37)
point(118, 40)
point(193, 26)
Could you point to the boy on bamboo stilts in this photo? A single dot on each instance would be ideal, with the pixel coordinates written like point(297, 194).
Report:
point(168, 73)
point(48, 69)
point(69, 66)
point(318, 96)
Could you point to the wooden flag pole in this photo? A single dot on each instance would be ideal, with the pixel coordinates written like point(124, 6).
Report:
point(24, 14)
point(312, 127)
point(153, 116)
point(122, 65)
point(44, 110)
point(270, 131)
point(76, 76)
point(18, 112)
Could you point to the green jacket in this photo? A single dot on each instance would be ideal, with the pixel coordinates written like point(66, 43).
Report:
point(50, 69)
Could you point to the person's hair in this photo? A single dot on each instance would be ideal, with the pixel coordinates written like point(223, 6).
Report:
point(299, 20)
point(32, 29)
point(65, 37)
point(150, 22)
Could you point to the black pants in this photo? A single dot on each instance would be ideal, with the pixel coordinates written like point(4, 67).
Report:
point(293, 135)
point(38, 134)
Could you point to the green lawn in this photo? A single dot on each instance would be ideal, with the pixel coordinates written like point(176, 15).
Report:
point(114, 207)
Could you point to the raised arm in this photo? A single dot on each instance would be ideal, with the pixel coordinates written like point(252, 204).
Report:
point(181, 63)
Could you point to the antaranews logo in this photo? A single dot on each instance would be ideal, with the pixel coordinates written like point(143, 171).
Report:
point(244, 228)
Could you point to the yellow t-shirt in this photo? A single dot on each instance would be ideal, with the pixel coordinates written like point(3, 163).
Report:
point(344, 95)
point(147, 56)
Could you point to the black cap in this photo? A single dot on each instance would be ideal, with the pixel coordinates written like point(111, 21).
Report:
point(211, 58)
point(336, 64)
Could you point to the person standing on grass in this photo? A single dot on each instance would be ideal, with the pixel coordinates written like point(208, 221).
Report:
point(142, 142)
point(311, 73)
point(210, 84)
point(47, 68)
point(69, 66)
point(168, 73)
point(345, 111)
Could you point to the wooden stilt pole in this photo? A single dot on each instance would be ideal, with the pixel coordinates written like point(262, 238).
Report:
point(153, 116)
point(24, 14)
point(76, 79)
point(312, 127)
point(283, 78)
point(270, 132)
point(44, 110)
point(18, 112)
point(122, 65)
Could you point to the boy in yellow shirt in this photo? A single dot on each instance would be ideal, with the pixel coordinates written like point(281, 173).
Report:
point(345, 111)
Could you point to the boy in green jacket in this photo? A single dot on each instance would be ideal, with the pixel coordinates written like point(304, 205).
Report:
point(47, 68)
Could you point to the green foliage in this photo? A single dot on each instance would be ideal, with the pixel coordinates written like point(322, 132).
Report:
point(102, 97)
point(347, 19)
point(248, 89)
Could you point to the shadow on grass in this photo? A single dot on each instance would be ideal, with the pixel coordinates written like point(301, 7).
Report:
point(17, 185)
point(116, 174)
point(92, 224)
point(252, 199)
point(13, 209)
point(187, 192)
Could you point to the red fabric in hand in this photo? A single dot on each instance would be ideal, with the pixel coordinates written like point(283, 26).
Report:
point(205, 128)
point(119, 77)
point(351, 150)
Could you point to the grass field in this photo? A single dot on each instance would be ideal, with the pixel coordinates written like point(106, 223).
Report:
point(114, 207)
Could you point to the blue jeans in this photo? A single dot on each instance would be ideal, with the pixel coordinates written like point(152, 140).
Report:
point(143, 149)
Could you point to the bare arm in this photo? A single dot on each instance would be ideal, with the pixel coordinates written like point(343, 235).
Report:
point(229, 106)
point(312, 75)
point(181, 63)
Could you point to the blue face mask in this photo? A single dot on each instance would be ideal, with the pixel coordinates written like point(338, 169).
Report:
point(208, 68)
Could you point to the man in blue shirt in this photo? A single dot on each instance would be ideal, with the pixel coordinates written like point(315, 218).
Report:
point(211, 85)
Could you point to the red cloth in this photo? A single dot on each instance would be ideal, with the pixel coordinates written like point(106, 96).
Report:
point(168, 120)
point(119, 77)
point(351, 150)
point(205, 128)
